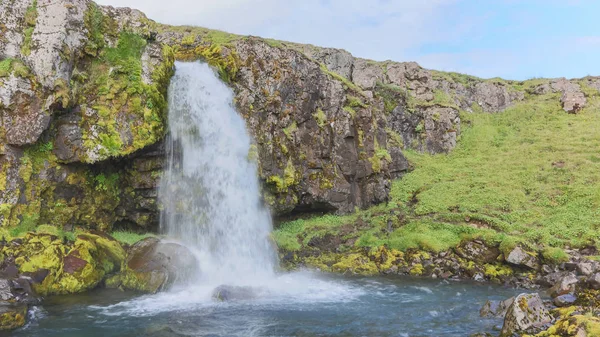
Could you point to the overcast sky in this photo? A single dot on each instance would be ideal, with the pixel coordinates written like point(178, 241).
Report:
point(514, 39)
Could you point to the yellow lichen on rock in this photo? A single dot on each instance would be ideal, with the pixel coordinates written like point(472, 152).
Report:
point(356, 263)
point(12, 317)
point(60, 267)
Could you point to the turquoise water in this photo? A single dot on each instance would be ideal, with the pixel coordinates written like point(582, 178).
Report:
point(330, 306)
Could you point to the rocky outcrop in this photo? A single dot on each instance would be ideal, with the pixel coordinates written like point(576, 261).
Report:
point(80, 84)
point(82, 101)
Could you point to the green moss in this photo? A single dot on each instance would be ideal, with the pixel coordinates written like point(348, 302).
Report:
point(381, 154)
point(354, 102)
point(289, 130)
point(466, 80)
point(391, 94)
point(6, 67)
point(113, 86)
point(555, 255)
point(496, 272)
point(214, 47)
point(349, 85)
point(13, 317)
point(289, 179)
point(130, 238)
point(416, 270)
point(71, 266)
point(357, 264)
point(394, 139)
point(30, 21)
point(320, 117)
point(9, 66)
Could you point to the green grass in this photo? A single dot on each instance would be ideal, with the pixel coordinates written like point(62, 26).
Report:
point(129, 237)
point(527, 175)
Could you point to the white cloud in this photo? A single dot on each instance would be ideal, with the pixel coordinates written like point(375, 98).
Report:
point(588, 41)
point(451, 35)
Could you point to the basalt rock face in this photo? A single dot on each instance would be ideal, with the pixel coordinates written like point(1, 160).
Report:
point(83, 102)
point(321, 144)
point(82, 107)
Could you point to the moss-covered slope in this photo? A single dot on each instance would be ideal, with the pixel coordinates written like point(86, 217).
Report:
point(528, 176)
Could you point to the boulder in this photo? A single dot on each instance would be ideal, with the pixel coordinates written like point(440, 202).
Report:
point(573, 102)
point(527, 314)
point(594, 281)
point(478, 252)
point(564, 300)
point(585, 268)
point(233, 293)
point(519, 257)
point(12, 315)
point(495, 308)
point(154, 265)
point(565, 285)
point(55, 266)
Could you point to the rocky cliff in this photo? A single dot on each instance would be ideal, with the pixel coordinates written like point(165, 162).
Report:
point(83, 103)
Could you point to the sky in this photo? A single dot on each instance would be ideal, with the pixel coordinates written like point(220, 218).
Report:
point(512, 39)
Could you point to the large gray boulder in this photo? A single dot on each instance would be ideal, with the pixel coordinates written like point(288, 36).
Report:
point(527, 314)
point(520, 257)
point(153, 265)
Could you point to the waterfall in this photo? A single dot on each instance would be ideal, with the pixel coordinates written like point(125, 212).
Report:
point(210, 190)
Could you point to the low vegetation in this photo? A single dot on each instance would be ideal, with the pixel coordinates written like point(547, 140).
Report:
point(130, 238)
point(527, 175)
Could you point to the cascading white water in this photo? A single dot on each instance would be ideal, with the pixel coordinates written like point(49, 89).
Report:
point(211, 200)
point(210, 190)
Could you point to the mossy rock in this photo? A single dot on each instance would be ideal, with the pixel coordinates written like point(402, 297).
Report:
point(153, 265)
point(59, 267)
point(12, 316)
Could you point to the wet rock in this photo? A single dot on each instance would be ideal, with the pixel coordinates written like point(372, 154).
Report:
point(564, 300)
point(226, 293)
point(495, 308)
point(12, 315)
point(527, 314)
point(565, 285)
point(55, 266)
point(153, 265)
point(162, 331)
point(518, 256)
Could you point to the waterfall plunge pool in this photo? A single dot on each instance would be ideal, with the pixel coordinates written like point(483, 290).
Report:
point(296, 304)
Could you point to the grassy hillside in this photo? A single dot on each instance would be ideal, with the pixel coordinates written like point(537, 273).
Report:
point(530, 174)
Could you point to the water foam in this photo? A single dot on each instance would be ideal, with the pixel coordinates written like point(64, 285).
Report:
point(211, 197)
point(210, 189)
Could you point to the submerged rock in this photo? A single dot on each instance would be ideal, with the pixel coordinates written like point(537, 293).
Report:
point(153, 265)
point(564, 300)
point(495, 308)
point(526, 314)
point(232, 293)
